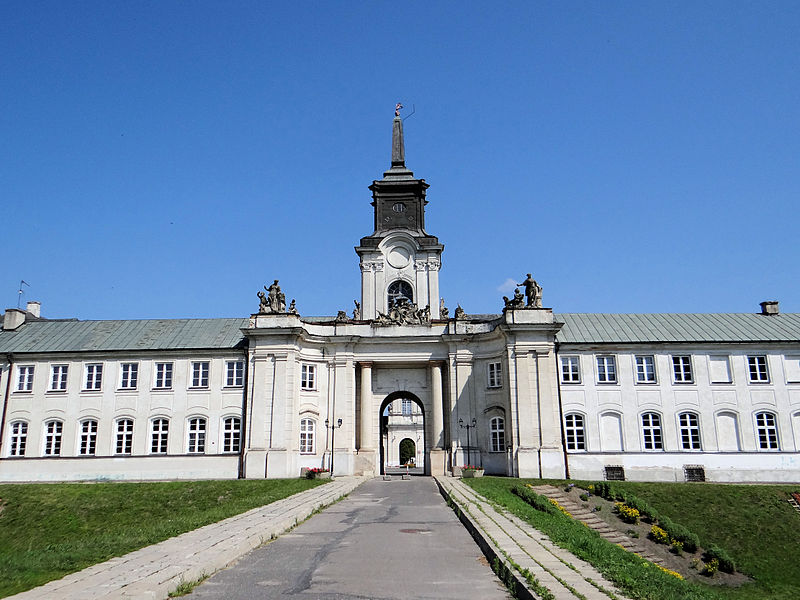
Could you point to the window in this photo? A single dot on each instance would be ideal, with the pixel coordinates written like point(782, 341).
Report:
point(400, 289)
point(199, 375)
point(52, 438)
point(58, 378)
point(234, 373)
point(651, 431)
point(757, 366)
point(606, 369)
point(94, 377)
point(231, 434)
point(645, 369)
point(308, 377)
point(19, 437)
point(719, 369)
point(88, 438)
point(129, 376)
point(497, 434)
point(25, 378)
point(495, 375)
point(306, 436)
point(570, 369)
point(159, 436)
point(406, 406)
point(124, 436)
point(197, 435)
point(575, 432)
point(767, 431)
point(689, 430)
point(682, 369)
point(163, 379)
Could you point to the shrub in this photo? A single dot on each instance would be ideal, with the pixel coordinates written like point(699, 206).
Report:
point(711, 567)
point(645, 510)
point(627, 514)
point(535, 500)
point(584, 497)
point(659, 535)
point(676, 547)
point(724, 560)
point(678, 532)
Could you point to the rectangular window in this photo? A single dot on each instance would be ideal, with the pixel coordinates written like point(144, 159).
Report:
point(52, 438)
point(197, 436)
point(129, 376)
point(757, 366)
point(25, 378)
point(606, 369)
point(682, 369)
point(19, 438)
point(575, 432)
point(495, 375)
point(124, 437)
point(689, 431)
point(234, 373)
point(308, 377)
point(199, 374)
point(231, 434)
point(719, 369)
point(645, 369)
point(94, 377)
point(406, 407)
point(570, 369)
point(163, 380)
point(58, 378)
point(88, 438)
point(306, 436)
point(497, 434)
point(159, 436)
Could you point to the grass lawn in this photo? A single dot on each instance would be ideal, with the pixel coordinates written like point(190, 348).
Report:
point(50, 530)
point(754, 523)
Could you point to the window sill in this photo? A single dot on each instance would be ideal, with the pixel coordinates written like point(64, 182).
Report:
point(646, 383)
point(571, 382)
point(203, 388)
point(22, 392)
point(124, 390)
point(92, 391)
point(55, 392)
point(232, 387)
point(164, 389)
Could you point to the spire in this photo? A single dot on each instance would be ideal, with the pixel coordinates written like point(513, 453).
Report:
point(398, 169)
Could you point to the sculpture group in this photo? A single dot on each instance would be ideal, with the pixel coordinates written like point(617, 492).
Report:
point(531, 299)
point(274, 301)
point(403, 312)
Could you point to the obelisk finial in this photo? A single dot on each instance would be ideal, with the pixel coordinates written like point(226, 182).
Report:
point(398, 147)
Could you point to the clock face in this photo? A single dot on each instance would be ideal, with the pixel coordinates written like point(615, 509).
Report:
point(399, 207)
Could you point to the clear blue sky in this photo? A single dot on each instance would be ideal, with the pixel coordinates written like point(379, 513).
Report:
point(167, 159)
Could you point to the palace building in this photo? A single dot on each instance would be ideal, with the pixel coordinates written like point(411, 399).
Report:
point(526, 392)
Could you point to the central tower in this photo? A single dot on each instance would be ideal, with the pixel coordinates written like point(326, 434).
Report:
point(399, 259)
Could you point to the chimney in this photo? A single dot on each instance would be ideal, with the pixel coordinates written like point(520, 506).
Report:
point(13, 318)
point(35, 308)
point(769, 307)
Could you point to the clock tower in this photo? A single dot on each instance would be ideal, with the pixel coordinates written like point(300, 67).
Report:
point(399, 259)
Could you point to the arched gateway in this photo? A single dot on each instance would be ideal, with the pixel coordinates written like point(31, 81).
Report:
point(402, 427)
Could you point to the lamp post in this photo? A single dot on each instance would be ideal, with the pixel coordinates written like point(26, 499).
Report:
point(467, 427)
point(333, 429)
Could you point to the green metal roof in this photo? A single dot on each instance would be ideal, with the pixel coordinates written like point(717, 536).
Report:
point(158, 334)
point(597, 328)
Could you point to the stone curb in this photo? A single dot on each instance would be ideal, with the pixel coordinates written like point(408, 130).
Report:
point(152, 572)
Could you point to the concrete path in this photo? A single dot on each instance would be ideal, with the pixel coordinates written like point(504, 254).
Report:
point(393, 539)
point(511, 539)
point(152, 572)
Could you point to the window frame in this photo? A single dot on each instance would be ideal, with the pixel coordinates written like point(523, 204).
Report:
point(497, 434)
point(24, 379)
point(394, 295)
point(308, 437)
point(608, 359)
point(308, 377)
point(87, 437)
point(574, 369)
point(159, 436)
point(59, 377)
point(234, 371)
point(53, 433)
point(162, 375)
point(92, 377)
point(123, 436)
point(689, 432)
point(641, 369)
point(494, 374)
point(575, 433)
point(196, 435)
point(231, 434)
point(763, 430)
point(128, 376)
point(761, 376)
point(200, 374)
point(652, 432)
point(17, 438)
point(679, 368)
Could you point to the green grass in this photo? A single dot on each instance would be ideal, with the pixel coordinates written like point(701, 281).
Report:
point(50, 530)
point(754, 523)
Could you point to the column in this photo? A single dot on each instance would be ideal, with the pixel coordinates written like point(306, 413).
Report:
point(366, 406)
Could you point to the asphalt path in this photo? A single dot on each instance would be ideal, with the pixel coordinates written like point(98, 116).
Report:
point(387, 540)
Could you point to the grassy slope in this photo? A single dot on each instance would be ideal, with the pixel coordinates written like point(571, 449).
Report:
point(754, 523)
point(50, 530)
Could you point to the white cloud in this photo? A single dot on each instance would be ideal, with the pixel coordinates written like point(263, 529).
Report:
point(507, 286)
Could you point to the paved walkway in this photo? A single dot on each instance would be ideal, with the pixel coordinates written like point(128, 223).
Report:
point(394, 539)
point(152, 572)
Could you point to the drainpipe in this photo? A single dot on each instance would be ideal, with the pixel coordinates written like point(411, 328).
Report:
point(561, 419)
point(243, 427)
point(10, 359)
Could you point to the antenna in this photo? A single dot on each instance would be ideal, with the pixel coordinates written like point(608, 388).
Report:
point(413, 110)
point(20, 292)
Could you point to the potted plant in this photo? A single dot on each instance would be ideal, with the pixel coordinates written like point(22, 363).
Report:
point(471, 471)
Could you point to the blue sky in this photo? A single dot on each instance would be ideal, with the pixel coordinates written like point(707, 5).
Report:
point(167, 159)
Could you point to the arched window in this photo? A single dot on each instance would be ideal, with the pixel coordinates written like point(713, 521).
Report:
point(231, 434)
point(306, 436)
point(767, 431)
point(690, 431)
point(197, 435)
point(19, 438)
point(52, 438)
point(159, 436)
point(651, 431)
point(88, 438)
point(575, 431)
point(400, 289)
point(497, 434)
point(124, 437)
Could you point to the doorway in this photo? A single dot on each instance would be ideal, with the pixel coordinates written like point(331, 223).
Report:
point(403, 443)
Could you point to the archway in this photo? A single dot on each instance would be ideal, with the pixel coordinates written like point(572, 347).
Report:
point(403, 443)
